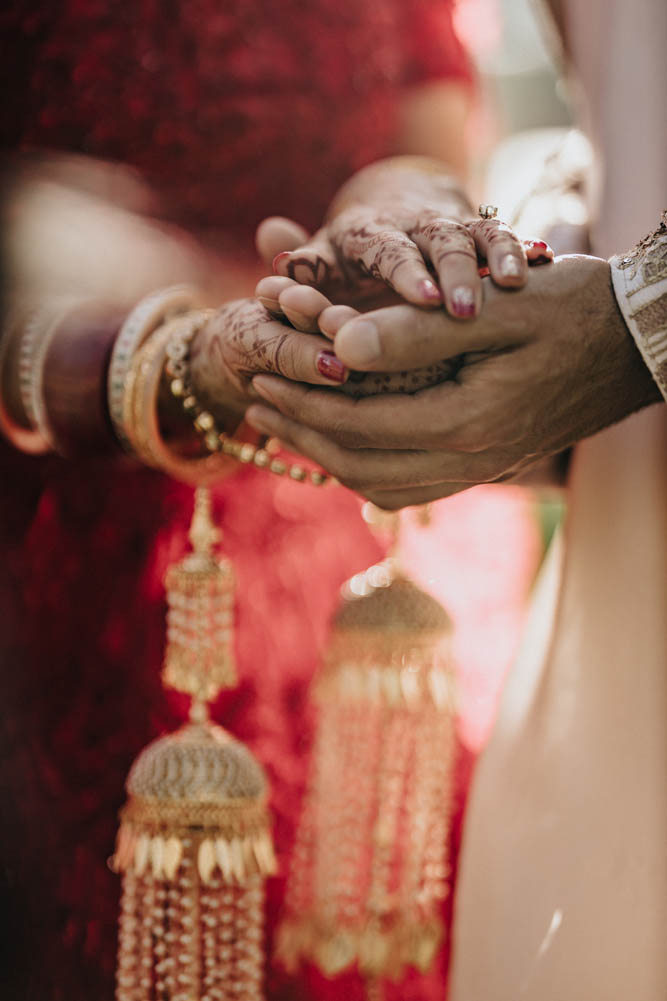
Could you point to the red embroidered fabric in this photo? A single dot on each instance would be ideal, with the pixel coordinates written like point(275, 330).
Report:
point(232, 111)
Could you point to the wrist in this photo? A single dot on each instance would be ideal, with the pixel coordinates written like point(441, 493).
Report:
point(402, 177)
point(54, 360)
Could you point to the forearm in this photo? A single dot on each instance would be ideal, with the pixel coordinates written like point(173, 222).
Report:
point(74, 266)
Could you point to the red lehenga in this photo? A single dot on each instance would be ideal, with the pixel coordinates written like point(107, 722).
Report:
point(231, 112)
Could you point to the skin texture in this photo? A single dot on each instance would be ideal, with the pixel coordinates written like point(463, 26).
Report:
point(540, 369)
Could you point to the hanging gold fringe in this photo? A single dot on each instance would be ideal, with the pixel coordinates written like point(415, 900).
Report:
point(369, 869)
point(199, 659)
point(194, 843)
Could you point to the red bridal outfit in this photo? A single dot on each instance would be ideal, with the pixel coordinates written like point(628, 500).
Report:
point(231, 112)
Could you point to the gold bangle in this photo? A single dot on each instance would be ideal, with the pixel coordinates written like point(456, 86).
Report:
point(140, 416)
point(27, 440)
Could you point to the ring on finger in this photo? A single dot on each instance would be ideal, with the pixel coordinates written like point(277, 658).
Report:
point(488, 211)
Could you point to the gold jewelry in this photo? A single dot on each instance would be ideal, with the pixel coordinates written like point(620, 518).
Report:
point(36, 338)
point(140, 411)
point(488, 211)
point(182, 332)
point(27, 440)
point(141, 322)
point(369, 867)
point(194, 843)
point(31, 343)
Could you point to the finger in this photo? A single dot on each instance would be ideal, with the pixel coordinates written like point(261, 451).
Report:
point(245, 340)
point(429, 419)
point(394, 500)
point(333, 318)
point(302, 306)
point(503, 250)
point(313, 262)
point(268, 292)
point(276, 235)
point(538, 252)
point(301, 359)
point(359, 469)
point(451, 250)
point(403, 337)
point(389, 254)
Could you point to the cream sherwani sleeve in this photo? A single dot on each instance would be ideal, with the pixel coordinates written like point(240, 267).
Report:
point(640, 286)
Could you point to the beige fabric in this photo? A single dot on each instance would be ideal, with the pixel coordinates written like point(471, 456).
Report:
point(562, 894)
point(640, 285)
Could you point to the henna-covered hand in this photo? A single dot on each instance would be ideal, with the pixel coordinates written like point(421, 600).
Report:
point(243, 339)
point(409, 232)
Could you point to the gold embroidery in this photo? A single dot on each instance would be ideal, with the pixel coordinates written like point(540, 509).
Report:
point(651, 245)
point(652, 317)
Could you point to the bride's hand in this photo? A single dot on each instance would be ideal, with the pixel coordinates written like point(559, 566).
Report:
point(407, 235)
point(243, 339)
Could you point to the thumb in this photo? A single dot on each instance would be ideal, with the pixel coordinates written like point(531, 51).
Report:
point(401, 338)
point(277, 234)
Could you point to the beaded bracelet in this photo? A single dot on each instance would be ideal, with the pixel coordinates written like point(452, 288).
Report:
point(182, 332)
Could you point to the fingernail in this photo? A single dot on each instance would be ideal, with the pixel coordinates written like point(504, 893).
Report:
point(278, 258)
point(539, 243)
point(463, 301)
point(359, 341)
point(429, 290)
point(483, 272)
point(510, 267)
point(272, 305)
point(331, 367)
point(259, 387)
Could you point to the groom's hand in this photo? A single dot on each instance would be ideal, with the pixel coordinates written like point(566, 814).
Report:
point(539, 369)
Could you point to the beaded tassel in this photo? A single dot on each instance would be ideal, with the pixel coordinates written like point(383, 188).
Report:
point(369, 869)
point(194, 845)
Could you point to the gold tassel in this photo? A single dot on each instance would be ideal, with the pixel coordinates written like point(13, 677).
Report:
point(194, 843)
point(369, 870)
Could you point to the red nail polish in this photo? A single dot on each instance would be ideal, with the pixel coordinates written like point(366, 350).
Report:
point(483, 272)
point(278, 258)
point(539, 243)
point(429, 290)
point(331, 367)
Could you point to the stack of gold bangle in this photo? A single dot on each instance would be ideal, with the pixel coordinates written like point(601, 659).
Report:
point(166, 351)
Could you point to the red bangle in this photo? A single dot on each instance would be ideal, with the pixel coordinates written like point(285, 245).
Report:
point(74, 381)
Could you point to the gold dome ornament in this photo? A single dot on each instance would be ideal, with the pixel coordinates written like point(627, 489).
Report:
point(369, 870)
point(194, 844)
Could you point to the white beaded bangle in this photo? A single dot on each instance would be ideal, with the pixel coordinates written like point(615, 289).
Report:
point(144, 319)
point(24, 439)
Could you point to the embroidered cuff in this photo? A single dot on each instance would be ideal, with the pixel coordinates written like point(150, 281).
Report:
point(640, 286)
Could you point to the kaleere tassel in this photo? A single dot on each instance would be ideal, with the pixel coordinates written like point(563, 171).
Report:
point(369, 870)
point(194, 844)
